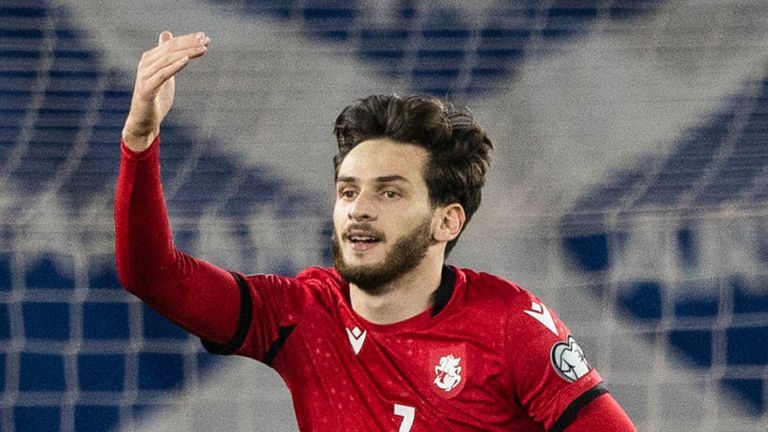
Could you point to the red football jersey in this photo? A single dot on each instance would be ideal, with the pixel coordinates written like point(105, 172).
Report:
point(488, 357)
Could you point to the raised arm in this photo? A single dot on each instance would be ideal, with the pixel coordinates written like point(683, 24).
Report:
point(200, 297)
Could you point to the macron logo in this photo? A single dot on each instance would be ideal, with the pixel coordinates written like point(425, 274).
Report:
point(542, 315)
point(356, 338)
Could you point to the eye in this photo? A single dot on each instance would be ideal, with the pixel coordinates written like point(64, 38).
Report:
point(390, 194)
point(347, 193)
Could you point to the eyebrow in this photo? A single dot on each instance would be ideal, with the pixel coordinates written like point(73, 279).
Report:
point(381, 179)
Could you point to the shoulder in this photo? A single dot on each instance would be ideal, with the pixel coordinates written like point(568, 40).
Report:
point(311, 287)
point(320, 276)
point(525, 314)
point(321, 284)
point(491, 289)
point(309, 277)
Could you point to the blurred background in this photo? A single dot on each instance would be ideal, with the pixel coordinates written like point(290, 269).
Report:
point(629, 189)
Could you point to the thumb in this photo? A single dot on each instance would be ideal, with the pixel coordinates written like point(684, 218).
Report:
point(165, 36)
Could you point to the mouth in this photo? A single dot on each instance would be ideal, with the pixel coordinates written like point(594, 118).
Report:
point(363, 241)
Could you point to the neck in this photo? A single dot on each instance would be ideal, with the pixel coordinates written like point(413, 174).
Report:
point(405, 297)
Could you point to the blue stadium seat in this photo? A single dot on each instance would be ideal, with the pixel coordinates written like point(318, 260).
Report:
point(2, 372)
point(697, 307)
point(68, 101)
point(6, 277)
point(503, 39)
point(747, 345)
point(332, 20)
point(42, 372)
point(628, 9)
point(752, 390)
point(696, 345)
point(499, 50)
point(160, 371)
point(72, 80)
point(25, 11)
point(687, 248)
point(749, 296)
point(50, 271)
point(101, 372)
point(16, 36)
point(48, 321)
point(589, 252)
point(37, 418)
point(385, 45)
point(95, 417)
point(157, 327)
point(642, 299)
point(442, 52)
point(726, 186)
point(568, 17)
point(105, 321)
point(20, 59)
point(5, 323)
point(102, 272)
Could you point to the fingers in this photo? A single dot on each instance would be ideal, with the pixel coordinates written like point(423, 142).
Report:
point(170, 56)
point(193, 45)
point(164, 37)
point(162, 75)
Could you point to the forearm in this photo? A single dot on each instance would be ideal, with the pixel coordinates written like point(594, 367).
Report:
point(143, 240)
point(200, 297)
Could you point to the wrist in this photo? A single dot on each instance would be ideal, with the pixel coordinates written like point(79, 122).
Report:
point(138, 143)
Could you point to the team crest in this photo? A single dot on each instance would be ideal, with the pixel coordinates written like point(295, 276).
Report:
point(449, 370)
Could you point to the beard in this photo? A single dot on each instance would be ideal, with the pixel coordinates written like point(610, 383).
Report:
point(407, 253)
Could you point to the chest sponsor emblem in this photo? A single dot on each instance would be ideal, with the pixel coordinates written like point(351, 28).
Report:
point(449, 370)
point(356, 338)
point(569, 361)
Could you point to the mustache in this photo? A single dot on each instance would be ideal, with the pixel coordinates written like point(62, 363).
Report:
point(364, 229)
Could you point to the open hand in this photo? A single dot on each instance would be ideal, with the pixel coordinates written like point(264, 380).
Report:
point(155, 85)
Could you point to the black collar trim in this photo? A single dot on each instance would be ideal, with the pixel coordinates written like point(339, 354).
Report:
point(444, 290)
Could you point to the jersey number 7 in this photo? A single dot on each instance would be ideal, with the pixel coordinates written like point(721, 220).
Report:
point(407, 413)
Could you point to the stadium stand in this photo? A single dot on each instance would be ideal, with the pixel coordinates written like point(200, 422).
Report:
point(719, 166)
point(78, 354)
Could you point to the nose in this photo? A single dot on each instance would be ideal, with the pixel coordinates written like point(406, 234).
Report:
point(363, 208)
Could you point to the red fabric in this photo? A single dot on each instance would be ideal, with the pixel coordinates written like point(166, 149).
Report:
point(188, 291)
point(484, 362)
point(602, 415)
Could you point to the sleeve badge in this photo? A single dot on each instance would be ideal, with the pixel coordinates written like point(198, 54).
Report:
point(569, 361)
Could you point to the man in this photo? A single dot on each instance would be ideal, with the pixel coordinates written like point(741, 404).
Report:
point(392, 339)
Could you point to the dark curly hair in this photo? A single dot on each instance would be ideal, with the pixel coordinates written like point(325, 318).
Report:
point(459, 149)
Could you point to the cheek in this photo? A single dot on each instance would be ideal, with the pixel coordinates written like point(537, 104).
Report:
point(339, 214)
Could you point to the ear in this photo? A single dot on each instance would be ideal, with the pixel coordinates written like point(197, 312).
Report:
point(451, 220)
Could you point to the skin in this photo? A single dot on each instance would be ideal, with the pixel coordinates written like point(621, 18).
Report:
point(381, 185)
point(155, 85)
